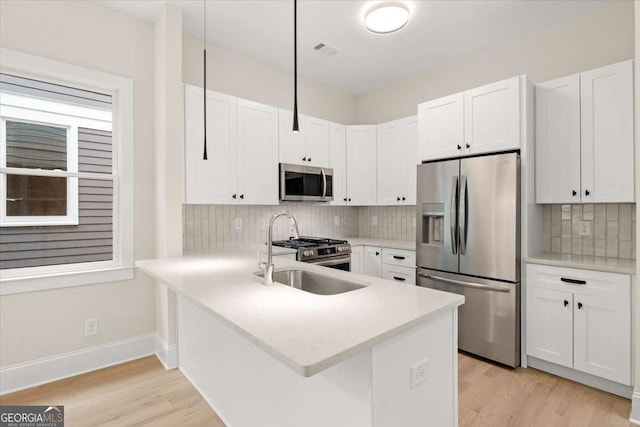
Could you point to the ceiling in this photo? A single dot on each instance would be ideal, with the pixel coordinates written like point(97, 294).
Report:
point(438, 32)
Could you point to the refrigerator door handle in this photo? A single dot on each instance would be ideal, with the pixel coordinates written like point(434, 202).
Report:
point(465, 284)
point(453, 215)
point(462, 220)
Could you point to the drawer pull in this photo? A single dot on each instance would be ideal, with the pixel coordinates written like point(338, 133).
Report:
point(566, 303)
point(402, 279)
point(574, 281)
point(398, 257)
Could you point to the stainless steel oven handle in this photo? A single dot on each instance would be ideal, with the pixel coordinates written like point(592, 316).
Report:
point(324, 183)
point(465, 284)
point(332, 261)
point(453, 215)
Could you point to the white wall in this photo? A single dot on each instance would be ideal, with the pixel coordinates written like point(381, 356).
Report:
point(235, 74)
point(41, 324)
point(599, 38)
point(635, 409)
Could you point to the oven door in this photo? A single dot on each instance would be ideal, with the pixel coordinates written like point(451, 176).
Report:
point(305, 183)
point(339, 263)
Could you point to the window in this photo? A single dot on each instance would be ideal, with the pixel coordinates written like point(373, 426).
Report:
point(65, 175)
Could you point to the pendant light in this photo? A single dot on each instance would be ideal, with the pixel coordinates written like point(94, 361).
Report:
point(204, 88)
point(295, 67)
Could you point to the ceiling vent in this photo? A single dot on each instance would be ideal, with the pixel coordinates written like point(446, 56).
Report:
point(326, 48)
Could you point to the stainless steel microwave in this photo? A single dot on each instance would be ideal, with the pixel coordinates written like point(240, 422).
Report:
point(305, 183)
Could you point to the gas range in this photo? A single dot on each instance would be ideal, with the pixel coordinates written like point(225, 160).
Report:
point(318, 250)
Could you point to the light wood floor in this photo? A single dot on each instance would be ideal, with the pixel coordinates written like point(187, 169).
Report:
point(143, 393)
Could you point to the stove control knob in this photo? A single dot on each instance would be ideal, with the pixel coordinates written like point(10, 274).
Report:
point(339, 249)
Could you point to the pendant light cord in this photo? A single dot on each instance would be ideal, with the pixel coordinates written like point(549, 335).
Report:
point(295, 66)
point(204, 43)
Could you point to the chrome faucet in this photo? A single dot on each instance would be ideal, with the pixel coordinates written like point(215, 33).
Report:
point(267, 266)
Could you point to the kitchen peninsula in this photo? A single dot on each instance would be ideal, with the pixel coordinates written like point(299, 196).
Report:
point(384, 354)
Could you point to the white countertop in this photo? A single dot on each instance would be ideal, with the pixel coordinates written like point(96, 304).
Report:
point(611, 265)
point(409, 245)
point(307, 332)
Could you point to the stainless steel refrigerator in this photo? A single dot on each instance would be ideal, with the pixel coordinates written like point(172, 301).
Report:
point(468, 242)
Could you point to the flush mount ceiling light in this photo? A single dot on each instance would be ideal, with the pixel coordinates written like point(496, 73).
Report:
point(386, 17)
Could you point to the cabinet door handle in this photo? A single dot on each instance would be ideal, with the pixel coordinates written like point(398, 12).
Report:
point(398, 257)
point(586, 192)
point(304, 159)
point(345, 199)
point(309, 159)
point(579, 306)
point(404, 198)
point(467, 145)
point(566, 303)
point(242, 196)
point(349, 199)
point(402, 279)
point(398, 199)
point(573, 281)
point(234, 196)
point(377, 253)
point(459, 147)
point(575, 193)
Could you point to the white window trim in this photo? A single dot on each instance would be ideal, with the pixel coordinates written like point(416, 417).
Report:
point(121, 89)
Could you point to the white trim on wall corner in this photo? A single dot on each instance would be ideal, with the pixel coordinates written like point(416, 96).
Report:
point(167, 354)
point(37, 372)
point(634, 417)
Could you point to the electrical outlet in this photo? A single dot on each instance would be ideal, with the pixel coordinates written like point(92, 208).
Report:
point(336, 220)
point(374, 220)
point(419, 372)
point(90, 327)
point(585, 228)
point(239, 223)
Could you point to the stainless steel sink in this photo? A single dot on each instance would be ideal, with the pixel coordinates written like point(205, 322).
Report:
point(315, 283)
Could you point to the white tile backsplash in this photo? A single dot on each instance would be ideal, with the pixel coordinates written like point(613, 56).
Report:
point(212, 227)
point(613, 228)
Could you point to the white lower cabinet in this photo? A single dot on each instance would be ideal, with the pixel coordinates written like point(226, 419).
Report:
point(405, 275)
point(550, 325)
point(580, 319)
point(372, 265)
point(601, 338)
point(357, 258)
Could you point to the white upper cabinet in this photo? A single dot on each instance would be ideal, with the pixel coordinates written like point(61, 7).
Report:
point(481, 120)
point(292, 145)
point(492, 117)
point(257, 153)
point(413, 160)
point(607, 133)
point(441, 127)
point(213, 180)
point(397, 161)
point(338, 162)
point(558, 140)
point(310, 146)
point(361, 165)
point(584, 137)
point(316, 133)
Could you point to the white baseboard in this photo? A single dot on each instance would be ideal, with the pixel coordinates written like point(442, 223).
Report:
point(634, 418)
point(37, 372)
point(167, 354)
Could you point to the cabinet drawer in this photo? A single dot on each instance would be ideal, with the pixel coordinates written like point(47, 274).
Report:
point(580, 282)
point(399, 274)
point(399, 257)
